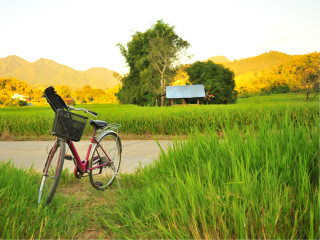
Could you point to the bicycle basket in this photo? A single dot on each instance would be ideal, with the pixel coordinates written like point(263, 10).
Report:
point(68, 125)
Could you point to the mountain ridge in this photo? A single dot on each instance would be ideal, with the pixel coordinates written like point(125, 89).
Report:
point(45, 72)
point(219, 59)
point(262, 62)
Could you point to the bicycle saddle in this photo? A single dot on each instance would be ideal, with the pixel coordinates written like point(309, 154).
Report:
point(98, 124)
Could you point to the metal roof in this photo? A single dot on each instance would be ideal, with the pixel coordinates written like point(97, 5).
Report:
point(188, 91)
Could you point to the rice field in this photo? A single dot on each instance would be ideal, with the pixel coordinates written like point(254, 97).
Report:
point(22, 218)
point(242, 185)
point(38, 120)
point(248, 171)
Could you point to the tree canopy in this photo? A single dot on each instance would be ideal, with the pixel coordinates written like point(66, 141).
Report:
point(152, 57)
point(218, 81)
point(11, 86)
point(308, 73)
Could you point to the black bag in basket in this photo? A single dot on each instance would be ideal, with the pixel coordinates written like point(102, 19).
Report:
point(55, 101)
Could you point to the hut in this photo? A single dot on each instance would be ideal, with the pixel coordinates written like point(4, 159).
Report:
point(185, 92)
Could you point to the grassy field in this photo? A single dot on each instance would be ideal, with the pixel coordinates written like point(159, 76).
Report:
point(256, 177)
point(22, 218)
point(37, 121)
point(254, 185)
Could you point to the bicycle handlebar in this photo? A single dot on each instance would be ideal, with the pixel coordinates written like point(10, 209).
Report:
point(83, 109)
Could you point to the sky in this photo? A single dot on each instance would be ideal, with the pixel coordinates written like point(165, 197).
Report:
point(83, 33)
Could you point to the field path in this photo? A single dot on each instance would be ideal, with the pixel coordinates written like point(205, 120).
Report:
point(26, 153)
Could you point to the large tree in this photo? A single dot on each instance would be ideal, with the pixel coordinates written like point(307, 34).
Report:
point(152, 57)
point(302, 72)
point(165, 49)
point(218, 81)
point(308, 73)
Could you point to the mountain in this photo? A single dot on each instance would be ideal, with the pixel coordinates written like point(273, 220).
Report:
point(45, 72)
point(9, 63)
point(263, 62)
point(219, 59)
point(103, 73)
point(251, 73)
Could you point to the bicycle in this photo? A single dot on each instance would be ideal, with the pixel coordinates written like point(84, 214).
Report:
point(103, 158)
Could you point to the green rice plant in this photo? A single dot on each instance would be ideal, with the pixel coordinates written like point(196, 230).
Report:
point(242, 184)
point(22, 218)
point(178, 120)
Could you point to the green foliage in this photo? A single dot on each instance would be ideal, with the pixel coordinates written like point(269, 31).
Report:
point(21, 216)
point(254, 183)
point(22, 103)
point(247, 170)
point(144, 55)
point(37, 121)
point(281, 89)
point(217, 80)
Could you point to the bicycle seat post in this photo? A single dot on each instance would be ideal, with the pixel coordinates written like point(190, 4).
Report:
point(94, 131)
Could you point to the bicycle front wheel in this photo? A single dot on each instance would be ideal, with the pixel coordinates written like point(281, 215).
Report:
point(51, 172)
point(105, 161)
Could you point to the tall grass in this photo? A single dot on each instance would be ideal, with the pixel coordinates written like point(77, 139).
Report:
point(38, 121)
point(256, 178)
point(242, 184)
point(22, 218)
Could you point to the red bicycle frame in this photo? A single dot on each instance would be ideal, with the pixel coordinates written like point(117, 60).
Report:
point(82, 166)
point(50, 159)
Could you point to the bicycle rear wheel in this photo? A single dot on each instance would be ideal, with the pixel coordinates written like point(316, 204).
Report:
point(51, 172)
point(108, 154)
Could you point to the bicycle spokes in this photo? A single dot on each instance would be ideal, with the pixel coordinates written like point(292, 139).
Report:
point(105, 161)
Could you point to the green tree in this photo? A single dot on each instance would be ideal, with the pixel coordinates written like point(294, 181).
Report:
point(135, 54)
point(165, 49)
point(152, 57)
point(217, 80)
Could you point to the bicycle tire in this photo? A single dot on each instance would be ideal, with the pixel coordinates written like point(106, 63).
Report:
point(52, 172)
point(103, 177)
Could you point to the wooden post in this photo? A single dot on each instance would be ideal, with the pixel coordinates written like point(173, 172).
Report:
point(156, 102)
point(198, 101)
point(171, 102)
point(184, 101)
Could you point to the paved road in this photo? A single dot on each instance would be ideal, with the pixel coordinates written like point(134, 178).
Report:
point(27, 153)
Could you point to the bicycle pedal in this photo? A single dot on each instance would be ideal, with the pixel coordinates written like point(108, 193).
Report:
point(99, 184)
point(68, 157)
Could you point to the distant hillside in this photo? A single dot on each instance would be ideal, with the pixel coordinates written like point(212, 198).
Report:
point(253, 74)
point(264, 62)
point(10, 63)
point(44, 72)
point(219, 59)
point(103, 73)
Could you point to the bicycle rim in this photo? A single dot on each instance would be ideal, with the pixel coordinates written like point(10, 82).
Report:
point(107, 151)
point(51, 173)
